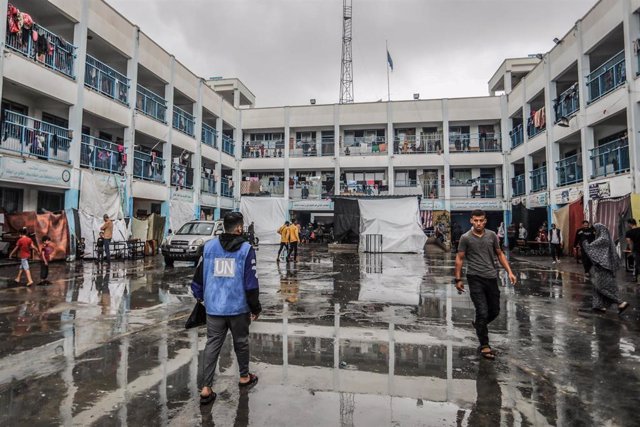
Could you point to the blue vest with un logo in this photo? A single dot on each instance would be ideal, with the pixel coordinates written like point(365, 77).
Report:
point(223, 272)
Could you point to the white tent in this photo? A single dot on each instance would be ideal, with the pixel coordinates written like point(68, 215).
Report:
point(388, 278)
point(90, 230)
point(267, 215)
point(180, 213)
point(397, 220)
point(101, 194)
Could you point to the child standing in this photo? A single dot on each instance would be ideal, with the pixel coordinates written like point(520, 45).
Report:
point(100, 247)
point(24, 246)
point(45, 256)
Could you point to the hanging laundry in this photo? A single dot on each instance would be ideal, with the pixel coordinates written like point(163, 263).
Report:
point(12, 19)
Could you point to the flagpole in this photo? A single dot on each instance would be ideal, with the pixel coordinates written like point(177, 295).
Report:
point(387, 61)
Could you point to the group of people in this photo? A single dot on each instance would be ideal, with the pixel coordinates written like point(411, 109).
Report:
point(25, 248)
point(289, 239)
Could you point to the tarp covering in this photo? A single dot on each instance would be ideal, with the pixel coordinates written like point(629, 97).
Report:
point(561, 220)
point(387, 278)
point(47, 224)
point(180, 213)
point(576, 216)
point(156, 227)
point(90, 231)
point(267, 215)
point(101, 194)
point(635, 206)
point(139, 229)
point(346, 220)
point(397, 220)
point(612, 213)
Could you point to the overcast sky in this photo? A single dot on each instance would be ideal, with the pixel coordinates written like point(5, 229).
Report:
point(288, 51)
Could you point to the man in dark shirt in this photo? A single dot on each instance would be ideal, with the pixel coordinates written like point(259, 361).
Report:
point(585, 234)
point(481, 247)
point(633, 243)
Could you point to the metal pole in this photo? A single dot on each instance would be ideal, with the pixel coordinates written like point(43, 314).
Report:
point(387, 60)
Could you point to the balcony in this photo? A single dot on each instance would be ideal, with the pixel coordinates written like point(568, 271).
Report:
point(106, 80)
point(148, 167)
point(225, 189)
point(423, 144)
point(209, 136)
point(361, 188)
point(364, 146)
point(567, 103)
point(432, 189)
point(607, 78)
point(309, 148)
point(518, 185)
point(262, 149)
point(532, 129)
point(406, 183)
point(183, 121)
point(483, 188)
point(611, 158)
point(539, 179)
point(474, 143)
point(228, 145)
point(569, 170)
point(151, 104)
point(59, 55)
point(208, 184)
point(181, 176)
point(31, 137)
point(517, 136)
point(102, 155)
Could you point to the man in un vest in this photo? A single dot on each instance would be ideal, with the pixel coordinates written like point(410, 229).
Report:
point(227, 281)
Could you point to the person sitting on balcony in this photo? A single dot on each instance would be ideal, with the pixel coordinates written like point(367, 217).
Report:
point(475, 187)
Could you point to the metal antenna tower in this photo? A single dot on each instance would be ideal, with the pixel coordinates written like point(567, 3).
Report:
point(346, 71)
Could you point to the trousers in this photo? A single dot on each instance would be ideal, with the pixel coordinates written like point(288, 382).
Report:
point(293, 250)
point(217, 328)
point(107, 249)
point(485, 296)
point(284, 246)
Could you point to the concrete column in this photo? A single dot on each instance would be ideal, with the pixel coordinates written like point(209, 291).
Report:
point(390, 135)
point(4, 4)
point(287, 152)
point(166, 147)
point(130, 131)
point(196, 162)
point(236, 97)
point(508, 85)
point(528, 167)
point(631, 27)
point(319, 143)
point(446, 154)
point(237, 151)
point(336, 147)
point(72, 195)
point(550, 93)
point(218, 168)
point(586, 134)
point(505, 125)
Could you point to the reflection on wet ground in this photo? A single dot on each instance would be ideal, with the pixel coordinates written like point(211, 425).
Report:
point(345, 339)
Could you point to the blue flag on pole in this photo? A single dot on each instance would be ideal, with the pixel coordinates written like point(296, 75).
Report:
point(389, 60)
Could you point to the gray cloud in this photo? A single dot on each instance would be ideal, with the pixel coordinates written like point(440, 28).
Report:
point(287, 51)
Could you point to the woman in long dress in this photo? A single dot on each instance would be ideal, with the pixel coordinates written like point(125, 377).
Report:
point(605, 260)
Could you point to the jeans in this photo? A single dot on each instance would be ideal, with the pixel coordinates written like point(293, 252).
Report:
point(485, 296)
point(284, 246)
point(44, 271)
point(217, 327)
point(293, 250)
point(555, 250)
point(107, 249)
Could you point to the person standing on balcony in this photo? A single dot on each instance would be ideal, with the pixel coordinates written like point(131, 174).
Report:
point(107, 229)
point(555, 243)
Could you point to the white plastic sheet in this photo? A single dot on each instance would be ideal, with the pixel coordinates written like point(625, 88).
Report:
point(267, 215)
point(101, 194)
point(90, 230)
point(388, 278)
point(397, 220)
point(180, 213)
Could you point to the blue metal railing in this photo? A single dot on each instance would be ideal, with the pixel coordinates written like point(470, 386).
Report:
point(57, 54)
point(532, 130)
point(518, 185)
point(208, 184)
point(183, 121)
point(517, 136)
point(263, 148)
point(483, 188)
point(102, 155)
point(209, 135)
point(569, 170)
point(567, 103)
point(539, 179)
point(34, 138)
point(474, 142)
point(146, 167)
point(181, 176)
point(106, 80)
point(611, 158)
point(151, 104)
point(364, 146)
point(228, 145)
point(225, 189)
point(607, 77)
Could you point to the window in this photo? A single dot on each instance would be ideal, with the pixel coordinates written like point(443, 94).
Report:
point(10, 200)
point(156, 208)
point(460, 176)
point(51, 202)
point(55, 120)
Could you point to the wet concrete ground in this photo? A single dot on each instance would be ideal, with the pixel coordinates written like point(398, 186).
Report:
point(344, 339)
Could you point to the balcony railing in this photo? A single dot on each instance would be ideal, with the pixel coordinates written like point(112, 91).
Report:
point(229, 145)
point(518, 185)
point(567, 103)
point(517, 136)
point(364, 146)
point(181, 176)
point(106, 80)
point(327, 147)
point(261, 149)
point(539, 179)
point(151, 104)
point(422, 144)
point(31, 137)
point(304, 148)
point(225, 189)
point(474, 142)
point(483, 188)
point(361, 188)
point(532, 130)
point(611, 158)
point(57, 54)
point(607, 77)
point(569, 170)
point(208, 184)
point(209, 135)
point(148, 167)
point(102, 155)
point(406, 183)
point(432, 188)
point(183, 121)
